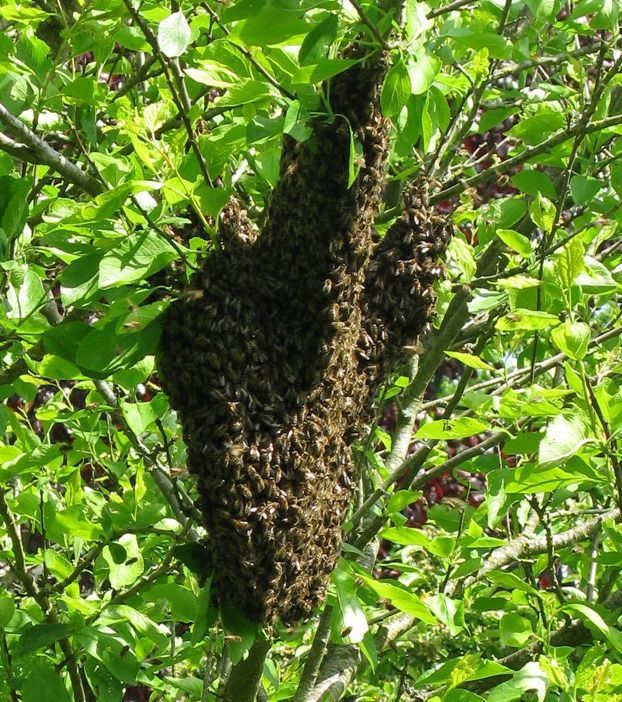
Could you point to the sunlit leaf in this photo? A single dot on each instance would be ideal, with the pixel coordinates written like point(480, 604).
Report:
point(174, 35)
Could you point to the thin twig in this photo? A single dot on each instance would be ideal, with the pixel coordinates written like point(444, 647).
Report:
point(445, 9)
point(164, 483)
point(593, 569)
point(369, 24)
point(150, 37)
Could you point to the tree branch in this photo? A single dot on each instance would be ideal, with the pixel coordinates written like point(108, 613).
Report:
point(529, 153)
point(41, 152)
point(243, 682)
point(530, 545)
point(17, 150)
point(342, 662)
point(315, 657)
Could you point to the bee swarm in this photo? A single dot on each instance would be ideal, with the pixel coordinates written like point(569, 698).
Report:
point(272, 365)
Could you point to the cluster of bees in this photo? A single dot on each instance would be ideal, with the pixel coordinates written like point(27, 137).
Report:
point(272, 362)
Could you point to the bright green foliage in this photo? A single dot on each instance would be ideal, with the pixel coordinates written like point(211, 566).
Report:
point(498, 574)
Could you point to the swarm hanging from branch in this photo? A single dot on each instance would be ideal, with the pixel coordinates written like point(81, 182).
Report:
point(272, 364)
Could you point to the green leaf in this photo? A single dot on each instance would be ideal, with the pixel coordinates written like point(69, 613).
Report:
point(510, 582)
point(244, 632)
point(542, 213)
point(458, 428)
point(595, 277)
point(206, 613)
point(174, 35)
point(441, 107)
point(496, 44)
point(136, 257)
point(531, 678)
point(42, 636)
point(142, 416)
point(213, 74)
point(533, 183)
point(406, 536)
point(572, 338)
point(541, 9)
point(515, 241)
point(532, 479)
point(80, 280)
point(583, 189)
point(401, 499)
point(43, 684)
point(352, 621)
point(104, 351)
point(514, 630)
point(142, 623)
point(70, 522)
point(125, 561)
point(589, 615)
point(245, 92)
point(131, 38)
point(25, 293)
point(469, 360)
point(321, 70)
point(212, 200)
point(400, 598)
point(368, 648)
point(569, 262)
point(491, 118)
point(270, 27)
point(461, 255)
point(58, 368)
point(518, 282)
point(430, 133)
point(7, 609)
point(563, 438)
point(354, 158)
point(182, 601)
point(422, 70)
point(457, 695)
point(616, 177)
point(466, 666)
point(64, 339)
point(318, 41)
point(499, 214)
point(191, 686)
point(58, 564)
point(395, 90)
point(13, 206)
point(523, 443)
point(82, 90)
point(533, 129)
point(526, 320)
point(109, 648)
point(448, 612)
point(416, 22)
point(607, 15)
point(295, 123)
